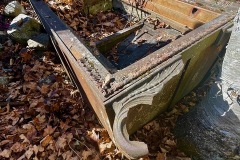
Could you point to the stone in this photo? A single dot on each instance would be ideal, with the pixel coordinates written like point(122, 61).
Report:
point(13, 9)
point(39, 42)
point(23, 27)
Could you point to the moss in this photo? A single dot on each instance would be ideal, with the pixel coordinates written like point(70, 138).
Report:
point(103, 5)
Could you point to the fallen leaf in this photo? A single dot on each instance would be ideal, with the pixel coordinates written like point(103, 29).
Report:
point(61, 143)
point(5, 153)
point(161, 156)
point(64, 126)
point(52, 156)
point(3, 142)
point(40, 148)
point(86, 154)
point(108, 24)
point(29, 152)
point(69, 137)
point(170, 142)
point(46, 140)
point(93, 135)
point(49, 130)
point(16, 147)
point(25, 54)
point(35, 149)
point(29, 85)
point(24, 138)
point(104, 146)
point(67, 155)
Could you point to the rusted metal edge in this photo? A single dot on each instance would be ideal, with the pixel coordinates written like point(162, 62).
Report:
point(84, 59)
point(132, 72)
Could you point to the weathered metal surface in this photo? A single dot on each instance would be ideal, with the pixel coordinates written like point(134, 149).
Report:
point(135, 70)
point(109, 42)
point(126, 98)
point(145, 102)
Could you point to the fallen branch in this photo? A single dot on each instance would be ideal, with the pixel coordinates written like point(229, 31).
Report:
point(13, 103)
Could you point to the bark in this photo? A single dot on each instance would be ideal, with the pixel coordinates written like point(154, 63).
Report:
point(212, 129)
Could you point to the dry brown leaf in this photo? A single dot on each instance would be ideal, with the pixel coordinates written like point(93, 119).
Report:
point(8, 108)
point(24, 138)
point(170, 142)
point(108, 24)
point(46, 140)
point(161, 156)
point(16, 147)
point(68, 16)
point(164, 150)
point(35, 149)
point(86, 154)
point(53, 156)
point(3, 142)
point(69, 137)
point(35, 158)
point(74, 23)
point(29, 85)
point(77, 158)
point(104, 146)
point(93, 135)
point(49, 130)
point(29, 152)
point(31, 131)
point(38, 66)
point(45, 89)
point(39, 122)
point(22, 157)
point(67, 155)
point(64, 126)
point(61, 143)
point(40, 148)
point(6, 153)
point(25, 54)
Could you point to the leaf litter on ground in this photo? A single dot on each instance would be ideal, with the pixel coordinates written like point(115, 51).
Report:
point(54, 122)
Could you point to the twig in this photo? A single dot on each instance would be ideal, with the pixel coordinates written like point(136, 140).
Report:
point(13, 103)
point(74, 151)
point(83, 144)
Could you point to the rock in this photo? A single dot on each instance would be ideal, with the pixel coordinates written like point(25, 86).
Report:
point(13, 9)
point(4, 80)
point(23, 27)
point(39, 42)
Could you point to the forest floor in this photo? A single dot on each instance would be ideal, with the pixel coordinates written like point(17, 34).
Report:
point(43, 116)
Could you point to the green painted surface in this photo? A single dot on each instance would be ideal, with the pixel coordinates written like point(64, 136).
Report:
point(202, 56)
point(143, 113)
point(109, 44)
